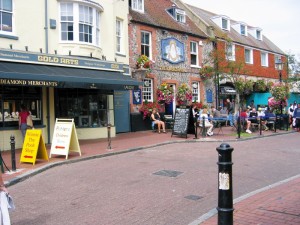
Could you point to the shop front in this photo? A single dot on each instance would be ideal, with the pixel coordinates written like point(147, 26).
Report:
point(53, 87)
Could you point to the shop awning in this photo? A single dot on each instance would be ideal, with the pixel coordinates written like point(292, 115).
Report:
point(227, 90)
point(23, 74)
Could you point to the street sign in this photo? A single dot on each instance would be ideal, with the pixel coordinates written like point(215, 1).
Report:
point(33, 147)
point(64, 138)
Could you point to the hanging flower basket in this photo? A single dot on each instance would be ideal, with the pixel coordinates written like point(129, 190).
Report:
point(184, 94)
point(165, 93)
point(143, 62)
point(206, 72)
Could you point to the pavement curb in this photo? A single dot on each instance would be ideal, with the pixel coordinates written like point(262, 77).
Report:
point(214, 211)
point(34, 172)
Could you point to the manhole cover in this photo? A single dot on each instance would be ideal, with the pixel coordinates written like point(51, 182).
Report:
point(168, 173)
point(193, 197)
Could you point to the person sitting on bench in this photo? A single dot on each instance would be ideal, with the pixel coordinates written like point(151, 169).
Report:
point(155, 117)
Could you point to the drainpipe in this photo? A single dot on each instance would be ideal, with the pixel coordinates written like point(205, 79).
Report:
point(46, 26)
point(47, 89)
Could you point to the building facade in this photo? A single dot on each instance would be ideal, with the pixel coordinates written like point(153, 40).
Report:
point(68, 59)
point(240, 44)
point(173, 43)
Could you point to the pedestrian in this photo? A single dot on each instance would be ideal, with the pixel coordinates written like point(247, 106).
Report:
point(230, 110)
point(155, 117)
point(291, 111)
point(296, 118)
point(23, 120)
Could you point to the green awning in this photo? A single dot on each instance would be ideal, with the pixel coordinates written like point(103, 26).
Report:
point(23, 74)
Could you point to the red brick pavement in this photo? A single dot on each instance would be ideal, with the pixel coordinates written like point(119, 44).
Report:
point(279, 205)
point(276, 206)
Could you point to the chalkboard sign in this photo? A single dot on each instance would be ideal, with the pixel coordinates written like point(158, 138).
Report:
point(181, 121)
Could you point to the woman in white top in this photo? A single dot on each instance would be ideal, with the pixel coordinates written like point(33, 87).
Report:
point(210, 126)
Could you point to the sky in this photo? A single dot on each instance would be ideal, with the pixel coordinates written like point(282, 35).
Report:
point(279, 19)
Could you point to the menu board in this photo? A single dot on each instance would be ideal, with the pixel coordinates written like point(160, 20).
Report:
point(181, 121)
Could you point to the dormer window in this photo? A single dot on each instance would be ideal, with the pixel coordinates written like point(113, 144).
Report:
point(243, 29)
point(258, 35)
point(137, 5)
point(225, 24)
point(180, 15)
point(177, 14)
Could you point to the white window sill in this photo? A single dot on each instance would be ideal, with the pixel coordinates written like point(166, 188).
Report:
point(196, 66)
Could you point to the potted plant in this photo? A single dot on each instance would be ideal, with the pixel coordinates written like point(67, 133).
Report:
point(184, 94)
point(165, 93)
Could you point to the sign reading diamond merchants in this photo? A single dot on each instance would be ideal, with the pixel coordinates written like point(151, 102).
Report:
point(64, 138)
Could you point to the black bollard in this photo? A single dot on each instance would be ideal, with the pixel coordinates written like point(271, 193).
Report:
point(196, 128)
point(239, 125)
point(260, 123)
point(13, 153)
point(225, 200)
point(108, 136)
point(203, 127)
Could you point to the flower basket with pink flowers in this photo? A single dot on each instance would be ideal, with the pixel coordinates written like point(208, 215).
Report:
point(148, 107)
point(165, 93)
point(184, 94)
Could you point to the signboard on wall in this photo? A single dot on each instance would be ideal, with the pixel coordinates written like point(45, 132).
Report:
point(64, 138)
point(209, 96)
point(172, 50)
point(33, 147)
point(137, 96)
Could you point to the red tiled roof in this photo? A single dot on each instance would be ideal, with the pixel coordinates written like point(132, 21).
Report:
point(264, 44)
point(156, 14)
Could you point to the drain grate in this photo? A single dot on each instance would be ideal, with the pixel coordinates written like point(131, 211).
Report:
point(193, 197)
point(168, 173)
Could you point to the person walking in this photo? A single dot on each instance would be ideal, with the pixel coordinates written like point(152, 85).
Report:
point(23, 120)
point(230, 110)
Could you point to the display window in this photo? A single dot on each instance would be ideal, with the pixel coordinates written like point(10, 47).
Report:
point(11, 98)
point(88, 108)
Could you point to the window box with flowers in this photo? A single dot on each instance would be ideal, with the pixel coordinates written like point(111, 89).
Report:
point(148, 107)
point(143, 62)
point(165, 93)
point(206, 72)
point(184, 94)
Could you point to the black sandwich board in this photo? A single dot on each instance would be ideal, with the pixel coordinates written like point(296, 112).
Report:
point(181, 121)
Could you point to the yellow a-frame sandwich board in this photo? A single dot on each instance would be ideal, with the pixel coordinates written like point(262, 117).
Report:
point(64, 138)
point(33, 147)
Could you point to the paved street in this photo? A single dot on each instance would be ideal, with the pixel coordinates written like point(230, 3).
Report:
point(123, 189)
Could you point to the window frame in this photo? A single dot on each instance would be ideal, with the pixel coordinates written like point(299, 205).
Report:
point(137, 5)
point(264, 56)
point(231, 56)
point(223, 19)
point(196, 91)
point(145, 45)
point(250, 56)
point(180, 15)
point(91, 24)
point(194, 53)
point(258, 34)
point(243, 29)
point(119, 36)
point(147, 92)
point(10, 13)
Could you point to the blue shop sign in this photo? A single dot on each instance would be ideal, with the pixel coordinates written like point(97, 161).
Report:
point(209, 96)
point(137, 96)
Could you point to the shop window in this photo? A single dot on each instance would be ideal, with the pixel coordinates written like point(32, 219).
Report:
point(88, 108)
point(12, 97)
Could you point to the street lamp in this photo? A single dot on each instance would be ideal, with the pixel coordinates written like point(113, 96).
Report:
point(279, 67)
